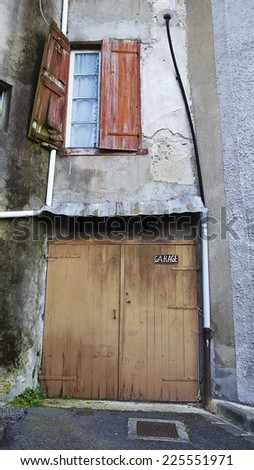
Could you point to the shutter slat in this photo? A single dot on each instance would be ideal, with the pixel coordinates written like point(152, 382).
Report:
point(49, 110)
point(120, 123)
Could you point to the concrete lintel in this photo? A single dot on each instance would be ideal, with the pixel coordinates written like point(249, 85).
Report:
point(109, 209)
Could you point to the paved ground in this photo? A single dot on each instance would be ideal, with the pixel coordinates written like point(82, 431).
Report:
point(83, 427)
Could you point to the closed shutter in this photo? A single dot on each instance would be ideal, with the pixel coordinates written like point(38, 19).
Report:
point(49, 111)
point(120, 126)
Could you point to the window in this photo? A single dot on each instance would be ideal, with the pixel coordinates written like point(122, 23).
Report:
point(5, 99)
point(103, 110)
point(82, 114)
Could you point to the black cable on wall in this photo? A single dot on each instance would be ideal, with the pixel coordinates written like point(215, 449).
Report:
point(167, 18)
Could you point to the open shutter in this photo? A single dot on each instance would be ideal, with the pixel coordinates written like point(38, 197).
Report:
point(120, 126)
point(49, 110)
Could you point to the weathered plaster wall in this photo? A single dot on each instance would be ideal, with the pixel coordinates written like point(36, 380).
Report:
point(233, 39)
point(23, 165)
point(23, 176)
point(22, 284)
point(207, 121)
point(117, 19)
point(120, 185)
point(85, 185)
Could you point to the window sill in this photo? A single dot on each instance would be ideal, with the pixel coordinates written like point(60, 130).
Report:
point(74, 152)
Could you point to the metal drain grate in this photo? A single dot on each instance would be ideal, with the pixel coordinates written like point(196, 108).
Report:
point(156, 429)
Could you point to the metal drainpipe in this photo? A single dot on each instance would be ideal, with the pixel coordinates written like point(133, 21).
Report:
point(65, 7)
point(51, 174)
point(14, 214)
point(52, 158)
point(204, 236)
point(207, 332)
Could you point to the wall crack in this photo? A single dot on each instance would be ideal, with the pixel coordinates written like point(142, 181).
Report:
point(177, 134)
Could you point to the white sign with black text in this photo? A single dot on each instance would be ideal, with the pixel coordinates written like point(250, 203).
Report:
point(165, 259)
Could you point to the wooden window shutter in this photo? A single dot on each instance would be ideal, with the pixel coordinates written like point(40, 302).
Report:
point(49, 110)
point(120, 122)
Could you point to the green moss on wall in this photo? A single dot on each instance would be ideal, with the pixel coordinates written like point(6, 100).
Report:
point(10, 324)
point(27, 177)
point(5, 386)
point(19, 308)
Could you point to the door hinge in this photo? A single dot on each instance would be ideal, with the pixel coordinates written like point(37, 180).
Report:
point(47, 256)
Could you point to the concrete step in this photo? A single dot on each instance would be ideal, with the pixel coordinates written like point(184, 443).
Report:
point(240, 415)
point(1, 424)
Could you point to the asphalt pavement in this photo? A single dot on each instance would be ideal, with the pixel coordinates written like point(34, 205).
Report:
point(81, 426)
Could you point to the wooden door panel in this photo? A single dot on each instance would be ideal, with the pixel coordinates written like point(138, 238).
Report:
point(55, 325)
point(136, 303)
point(80, 351)
point(102, 329)
point(159, 331)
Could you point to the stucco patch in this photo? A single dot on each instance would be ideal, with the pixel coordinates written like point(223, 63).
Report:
point(171, 162)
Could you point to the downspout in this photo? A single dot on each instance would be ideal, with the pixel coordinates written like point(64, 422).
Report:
point(52, 156)
point(204, 237)
point(207, 331)
point(65, 7)
point(51, 174)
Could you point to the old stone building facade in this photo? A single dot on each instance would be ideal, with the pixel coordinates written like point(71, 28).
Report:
point(102, 294)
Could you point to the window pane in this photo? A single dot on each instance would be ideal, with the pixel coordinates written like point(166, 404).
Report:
point(84, 113)
point(84, 110)
point(86, 87)
point(87, 64)
point(83, 135)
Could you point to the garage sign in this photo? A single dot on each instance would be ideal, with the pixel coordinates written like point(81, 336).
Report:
point(165, 259)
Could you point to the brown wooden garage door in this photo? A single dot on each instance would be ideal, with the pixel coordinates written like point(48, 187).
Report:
point(121, 322)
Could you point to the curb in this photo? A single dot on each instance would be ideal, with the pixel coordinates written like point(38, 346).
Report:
point(1, 425)
point(240, 415)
